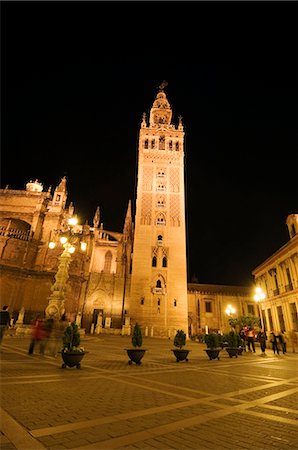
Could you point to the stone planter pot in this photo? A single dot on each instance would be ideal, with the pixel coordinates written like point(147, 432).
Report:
point(213, 353)
point(135, 355)
point(232, 351)
point(181, 354)
point(72, 359)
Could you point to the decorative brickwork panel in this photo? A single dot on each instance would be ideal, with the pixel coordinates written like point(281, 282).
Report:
point(174, 211)
point(146, 211)
point(147, 178)
point(174, 179)
point(162, 157)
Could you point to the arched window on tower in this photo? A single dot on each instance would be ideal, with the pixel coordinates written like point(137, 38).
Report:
point(159, 239)
point(160, 220)
point(170, 145)
point(164, 262)
point(177, 146)
point(153, 143)
point(146, 144)
point(161, 143)
point(158, 284)
point(108, 262)
point(154, 261)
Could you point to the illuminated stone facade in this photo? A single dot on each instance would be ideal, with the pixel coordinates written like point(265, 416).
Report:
point(278, 278)
point(138, 274)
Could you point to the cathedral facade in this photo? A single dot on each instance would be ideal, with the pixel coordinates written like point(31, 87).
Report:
point(136, 275)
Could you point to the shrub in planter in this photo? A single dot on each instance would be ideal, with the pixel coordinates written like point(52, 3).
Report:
point(72, 353)
point(233, 341)
point(136, 353)
point(137, 338)
point(179, 342)
point(213, 342)
point(180, 339)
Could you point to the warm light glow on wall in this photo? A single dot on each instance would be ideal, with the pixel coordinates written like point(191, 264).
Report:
point(63, 240)
point(52, 245)
point(72, 221)
point(230, 310)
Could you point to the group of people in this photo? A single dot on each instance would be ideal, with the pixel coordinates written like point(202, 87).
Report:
point(47, 334)
point(278, 340)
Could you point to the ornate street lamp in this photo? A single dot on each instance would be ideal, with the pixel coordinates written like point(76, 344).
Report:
point(70, 240)
point(230, 310)
point(232, 321)
point(259, 295)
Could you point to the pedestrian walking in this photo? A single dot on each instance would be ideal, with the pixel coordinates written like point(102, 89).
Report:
point(4, 321)
point(47, 328)
point(274, 342)
point(251, 339)
point(281, 340)
point(243, 337)
point(262, 338)
point(56, 342)
point(293, 340)
point(37, 334)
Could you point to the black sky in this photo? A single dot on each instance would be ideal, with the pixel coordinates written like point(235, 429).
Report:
point(77, 76)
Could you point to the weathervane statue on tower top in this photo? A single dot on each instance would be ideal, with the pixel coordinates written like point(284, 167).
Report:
point(163, 85)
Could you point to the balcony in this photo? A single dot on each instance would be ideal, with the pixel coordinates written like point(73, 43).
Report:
point(276, 292)
point(289, 287)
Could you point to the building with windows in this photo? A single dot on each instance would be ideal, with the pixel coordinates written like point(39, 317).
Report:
point(277, 276)
point(136, 275)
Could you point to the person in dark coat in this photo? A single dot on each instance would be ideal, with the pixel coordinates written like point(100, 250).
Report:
point(4, 321)
point(262, 338)
point(274, 342)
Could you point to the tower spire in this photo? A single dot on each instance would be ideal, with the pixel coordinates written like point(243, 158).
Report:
point(128, 220)
point(96, 218)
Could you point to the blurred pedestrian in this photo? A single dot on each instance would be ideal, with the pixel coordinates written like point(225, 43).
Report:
point(244, 337)
point(293, 340)
point(274, 342)
point(48, 328)
point(282, 342)
point(56, 342)
point(262, 338)
point(37, 334)
point(4, 321)
point(251, 339)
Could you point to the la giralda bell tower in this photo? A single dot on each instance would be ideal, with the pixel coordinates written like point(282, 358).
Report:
point(158, 300)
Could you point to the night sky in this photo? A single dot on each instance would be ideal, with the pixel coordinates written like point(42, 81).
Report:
point(76, 78)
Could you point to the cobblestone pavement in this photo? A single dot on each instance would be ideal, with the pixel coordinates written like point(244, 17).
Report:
point(249, 402)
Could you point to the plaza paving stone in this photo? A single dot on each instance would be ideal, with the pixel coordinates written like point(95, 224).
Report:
point(247, 402)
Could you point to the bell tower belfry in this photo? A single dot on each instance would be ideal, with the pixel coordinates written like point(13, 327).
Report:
point(158, 300)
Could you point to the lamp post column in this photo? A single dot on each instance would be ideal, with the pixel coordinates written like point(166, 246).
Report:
point(259, 295)
point(55, 307)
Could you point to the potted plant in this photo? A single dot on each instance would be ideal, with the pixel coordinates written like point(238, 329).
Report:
point(179, 342)
point(233, 341)
point(72, 354)
point(136, 354)
point(213, 342)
